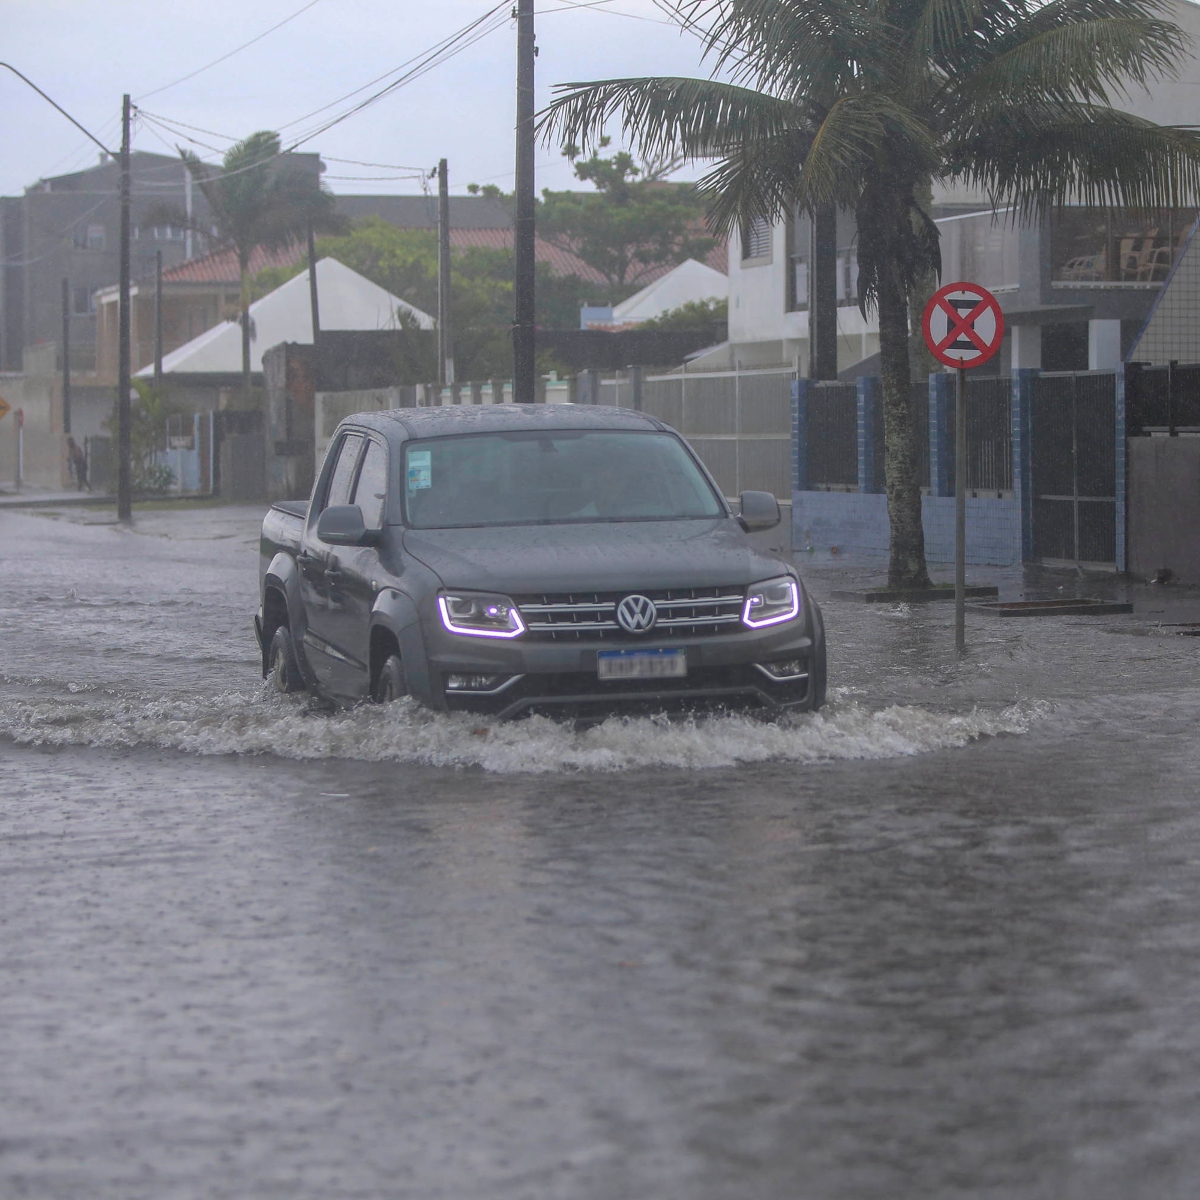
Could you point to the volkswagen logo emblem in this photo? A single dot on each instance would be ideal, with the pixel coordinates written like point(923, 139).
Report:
point(637, 614)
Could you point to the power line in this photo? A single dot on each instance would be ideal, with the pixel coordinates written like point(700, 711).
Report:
point(375, 178)
point(441, 52)
point(379, 78)
point(601, 6)
point(449, 48)
point(237, 50)
point(354, 162)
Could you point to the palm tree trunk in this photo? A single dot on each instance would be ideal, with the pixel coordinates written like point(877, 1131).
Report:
point(906, 566)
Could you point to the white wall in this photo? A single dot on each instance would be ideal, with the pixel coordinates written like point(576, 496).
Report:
point(36, 391)
point(758, 292)
point(762, 331)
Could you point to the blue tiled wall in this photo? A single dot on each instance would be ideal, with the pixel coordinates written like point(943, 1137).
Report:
point(858, 524)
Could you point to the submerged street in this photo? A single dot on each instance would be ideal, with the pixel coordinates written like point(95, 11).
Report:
point(940, 940)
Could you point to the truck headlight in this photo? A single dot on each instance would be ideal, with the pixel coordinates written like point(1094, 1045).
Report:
point(478, 614)
point(771, 603)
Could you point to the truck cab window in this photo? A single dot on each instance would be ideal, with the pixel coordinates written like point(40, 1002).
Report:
point(342, 479)
point(370, 493)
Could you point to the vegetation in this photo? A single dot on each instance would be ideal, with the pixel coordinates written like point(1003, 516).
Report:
point(632, 223)
point(258, 197)
point(864, 104)
point(696, 314)
point(404, 261)
point(148, 416)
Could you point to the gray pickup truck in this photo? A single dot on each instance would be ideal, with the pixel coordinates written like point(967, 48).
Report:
point(509, 559)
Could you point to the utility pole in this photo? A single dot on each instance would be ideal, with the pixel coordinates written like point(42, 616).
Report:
point(313, 297)
point(158, 320)
point(66, 356)
point(524, 381)
point(445, 325)
point(124, 478)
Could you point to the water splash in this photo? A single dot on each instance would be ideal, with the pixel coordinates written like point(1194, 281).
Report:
point(259, 722)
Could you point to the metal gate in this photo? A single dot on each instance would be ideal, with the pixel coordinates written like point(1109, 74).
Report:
point(1073, 458)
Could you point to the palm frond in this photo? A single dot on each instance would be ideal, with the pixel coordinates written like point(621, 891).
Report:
point(1044, 158)
point(857, 133)
point(943, 25)
point(695, 118)
point(791, 48)
point(754, 181)
point(1085, 61)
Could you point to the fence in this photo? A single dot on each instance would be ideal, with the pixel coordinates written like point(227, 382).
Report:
point(989, 436)
point(831, 445)
point(738, 422)
point(239, 454)
point(1162, 399)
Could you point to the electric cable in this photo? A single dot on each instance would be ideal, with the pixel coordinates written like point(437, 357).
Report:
point(231, 53)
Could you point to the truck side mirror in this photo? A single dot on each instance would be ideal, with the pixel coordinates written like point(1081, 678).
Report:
point(342, 525)
point(760, 510)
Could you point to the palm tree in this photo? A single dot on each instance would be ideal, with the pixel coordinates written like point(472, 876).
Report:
point(259, 197)
point(865, 104)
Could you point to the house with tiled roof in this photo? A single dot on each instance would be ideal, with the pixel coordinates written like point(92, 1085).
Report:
point(202, 293)
point(197, 296)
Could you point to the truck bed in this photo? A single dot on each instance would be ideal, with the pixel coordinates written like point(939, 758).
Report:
point(282, 528)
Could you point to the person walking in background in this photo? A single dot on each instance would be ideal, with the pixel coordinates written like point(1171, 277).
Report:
point(78, 464)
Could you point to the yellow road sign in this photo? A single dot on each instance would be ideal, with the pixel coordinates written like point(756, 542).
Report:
point(5, 408)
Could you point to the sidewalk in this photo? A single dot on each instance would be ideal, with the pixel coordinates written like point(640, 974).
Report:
point(32, 498)
point(1155, 604)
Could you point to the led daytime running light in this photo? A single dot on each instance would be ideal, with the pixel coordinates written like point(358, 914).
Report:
point(777, 616)
point(451, 623)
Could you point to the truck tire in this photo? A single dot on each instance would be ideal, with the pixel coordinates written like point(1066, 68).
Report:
point(392, 683)
point(285, 671)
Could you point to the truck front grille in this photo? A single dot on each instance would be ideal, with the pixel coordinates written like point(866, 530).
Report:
point(588, 616)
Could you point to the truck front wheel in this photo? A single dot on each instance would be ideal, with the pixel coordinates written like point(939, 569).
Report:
point(392, 682)
point(285, 671)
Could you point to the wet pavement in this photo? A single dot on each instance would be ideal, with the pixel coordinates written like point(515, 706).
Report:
point(941, 941)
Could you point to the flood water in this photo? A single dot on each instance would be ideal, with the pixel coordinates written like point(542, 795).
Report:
point(939, 941)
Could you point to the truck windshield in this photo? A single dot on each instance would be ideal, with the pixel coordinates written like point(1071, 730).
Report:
point(553, 477)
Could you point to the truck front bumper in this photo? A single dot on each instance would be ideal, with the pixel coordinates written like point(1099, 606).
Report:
point(517, 678)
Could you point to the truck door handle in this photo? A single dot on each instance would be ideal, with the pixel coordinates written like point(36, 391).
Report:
point(334, 576)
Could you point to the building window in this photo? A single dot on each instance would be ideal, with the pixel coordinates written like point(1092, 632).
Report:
point(847, 276)
point(84, 301)
point(1098, 247)
point(95, 237)
point(756, 239)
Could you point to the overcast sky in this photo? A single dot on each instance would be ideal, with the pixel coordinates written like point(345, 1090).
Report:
point(86, 54)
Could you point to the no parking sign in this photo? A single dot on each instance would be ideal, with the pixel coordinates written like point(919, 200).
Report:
point(963, 326)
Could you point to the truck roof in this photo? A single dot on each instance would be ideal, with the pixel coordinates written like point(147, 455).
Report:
point(439, 422)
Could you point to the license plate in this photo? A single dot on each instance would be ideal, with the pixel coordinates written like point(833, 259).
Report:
point(641, 664)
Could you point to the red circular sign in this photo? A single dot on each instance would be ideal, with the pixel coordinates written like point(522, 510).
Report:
point(963, 325)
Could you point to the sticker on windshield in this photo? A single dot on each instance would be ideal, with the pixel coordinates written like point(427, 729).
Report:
point(420, 470)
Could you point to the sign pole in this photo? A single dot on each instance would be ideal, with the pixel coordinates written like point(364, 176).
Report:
point(960, 512)
point(964, 328)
